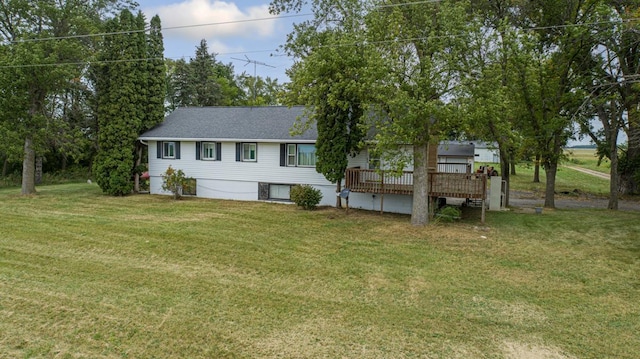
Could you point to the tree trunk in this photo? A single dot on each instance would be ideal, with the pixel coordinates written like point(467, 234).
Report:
point(5, 166)
point(29, 168)
point(550, 169)
point(513, 164)
point(628, 183)
point(136, 175)
point(613, 183)
point(338, 198)
point(504, 170)
point(420, 206)
point(536, 170)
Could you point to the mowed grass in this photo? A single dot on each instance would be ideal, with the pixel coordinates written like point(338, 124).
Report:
point(84, 275)
point(567, 181)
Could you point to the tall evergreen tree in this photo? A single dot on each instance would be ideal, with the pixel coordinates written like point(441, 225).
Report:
point(180, 80)
point(128, 91)
point(156, 80)
point(207, 91)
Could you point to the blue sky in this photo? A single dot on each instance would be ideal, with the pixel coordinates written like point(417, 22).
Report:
point(257, 40)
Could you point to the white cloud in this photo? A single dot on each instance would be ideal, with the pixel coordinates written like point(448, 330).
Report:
point(199, 12)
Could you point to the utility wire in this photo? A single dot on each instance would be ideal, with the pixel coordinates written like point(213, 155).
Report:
point(379, 42)
point(126, 32)
point(179, 27)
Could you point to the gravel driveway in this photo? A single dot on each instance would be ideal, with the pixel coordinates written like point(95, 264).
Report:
point(575, 199)
point(528, 200)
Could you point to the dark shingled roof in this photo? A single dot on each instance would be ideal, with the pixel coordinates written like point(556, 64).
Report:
point(269, 123)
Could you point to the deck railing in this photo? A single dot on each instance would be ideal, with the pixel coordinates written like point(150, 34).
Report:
point(459, 185)
point(374, 181)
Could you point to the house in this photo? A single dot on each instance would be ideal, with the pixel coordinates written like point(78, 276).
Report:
point(248, 153)
point(486, 152)
point(456, 157)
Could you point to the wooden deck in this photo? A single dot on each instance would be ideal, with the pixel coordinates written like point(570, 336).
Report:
point(453, 185)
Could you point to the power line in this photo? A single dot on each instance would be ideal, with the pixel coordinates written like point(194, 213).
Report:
point(179, 27)
point(127, 32)
point(274, 50)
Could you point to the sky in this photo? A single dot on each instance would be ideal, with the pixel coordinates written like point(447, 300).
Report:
point(251, 34)
point(244, 37)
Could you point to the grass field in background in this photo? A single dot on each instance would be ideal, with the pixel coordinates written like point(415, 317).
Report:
point(84, 275)
point(567, 181)
point(587, 158)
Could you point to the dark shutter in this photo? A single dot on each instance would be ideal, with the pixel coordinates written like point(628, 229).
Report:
point(198, 147)
point(159, 149)
point(238, 151)
point(283, 154)
point(218, 151)
point(177, 150)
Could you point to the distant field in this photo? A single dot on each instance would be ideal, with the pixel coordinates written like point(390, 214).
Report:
point(84, 275)
point(587, 158)
point(567, 180)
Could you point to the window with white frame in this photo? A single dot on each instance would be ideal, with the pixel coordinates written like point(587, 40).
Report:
point(209, 151)
point(249, 152)
point(280, 191)
point(168, 149)
point(301, 155)
point(291, 154)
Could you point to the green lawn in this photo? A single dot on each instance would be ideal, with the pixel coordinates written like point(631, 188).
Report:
point(83, 275)
point(567, 180)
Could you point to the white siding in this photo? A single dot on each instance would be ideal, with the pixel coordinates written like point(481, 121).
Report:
point(230, 179)
point(485, 155)
point(390, 202)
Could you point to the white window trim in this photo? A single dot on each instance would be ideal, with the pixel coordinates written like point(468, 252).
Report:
point(165, 147)
point(255, 144)
point(202, 151)
point(296, 155)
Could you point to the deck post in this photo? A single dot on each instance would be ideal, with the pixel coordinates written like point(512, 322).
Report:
point(382, 194)
point(482, 215)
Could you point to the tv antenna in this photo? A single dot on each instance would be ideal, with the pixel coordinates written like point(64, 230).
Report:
point(255, 79)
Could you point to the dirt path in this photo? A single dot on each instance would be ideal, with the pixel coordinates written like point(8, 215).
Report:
point(590, 172)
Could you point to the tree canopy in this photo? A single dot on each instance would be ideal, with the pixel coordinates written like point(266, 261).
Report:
point(41, 61)
point(521, 74)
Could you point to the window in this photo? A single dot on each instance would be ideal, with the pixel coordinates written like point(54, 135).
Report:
point(291, 155)
point(169, 149)
point(279, 191)
point(209, 151)
point(301, 155)
point(306, 155)
point(249, 151)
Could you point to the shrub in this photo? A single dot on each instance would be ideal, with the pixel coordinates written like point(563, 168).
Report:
point(306, 196)
point(448, 214)
point(174, 181)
